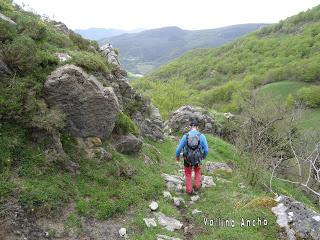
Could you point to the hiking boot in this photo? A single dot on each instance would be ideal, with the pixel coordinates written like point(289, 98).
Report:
point(190, 193)
point(195, 189)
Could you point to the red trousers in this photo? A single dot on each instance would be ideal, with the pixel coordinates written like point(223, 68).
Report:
point(188, 177)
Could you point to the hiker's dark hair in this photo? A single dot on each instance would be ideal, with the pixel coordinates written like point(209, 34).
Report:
point(194, 123)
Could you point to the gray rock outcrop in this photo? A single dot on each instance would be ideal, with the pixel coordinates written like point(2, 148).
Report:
point(297, 219)
point(63, 57)
point(151, 126)
point(90, 109)
point(60, 26)
point(180, 120)
point(217, 166)
point(4, 70)
point(150, 222)
point(142, 112)
point(171, 224)
point(127, 143)
point(5, 18)
point(110, 54)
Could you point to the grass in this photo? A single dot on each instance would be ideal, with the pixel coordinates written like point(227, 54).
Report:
point(282, 89)
point(310, 118)
point(106, 189)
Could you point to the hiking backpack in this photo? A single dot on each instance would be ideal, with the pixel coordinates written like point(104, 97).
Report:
point(192, 153)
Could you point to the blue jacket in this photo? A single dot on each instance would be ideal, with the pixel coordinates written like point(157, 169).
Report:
point(183, 143)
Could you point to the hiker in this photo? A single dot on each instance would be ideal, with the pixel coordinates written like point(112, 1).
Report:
point(195, 149)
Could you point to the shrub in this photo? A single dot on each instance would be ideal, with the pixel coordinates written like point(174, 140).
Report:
point(7, 31)
point(125, 125)
point(50, 120)
point(81, 43)
point(21, 54)
point(6, 5)
point(133, 106)
point(90, 61)
point(219, 94)
point(310, 96)
point(32, 27)
point(57, 38)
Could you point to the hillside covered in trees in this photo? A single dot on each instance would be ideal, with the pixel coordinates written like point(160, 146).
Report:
point(287, 52)
point(144, 51)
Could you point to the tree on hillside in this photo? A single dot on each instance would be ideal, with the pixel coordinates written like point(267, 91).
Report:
point(269, 139)
point(168, 96)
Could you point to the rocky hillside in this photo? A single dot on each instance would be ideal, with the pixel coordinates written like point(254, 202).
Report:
point(142, 52)
point(85, 156)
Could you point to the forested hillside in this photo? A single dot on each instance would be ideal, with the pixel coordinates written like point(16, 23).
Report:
point(288, 51)
point(144, 51)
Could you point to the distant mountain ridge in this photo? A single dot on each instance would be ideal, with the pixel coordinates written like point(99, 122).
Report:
point(100, 33)
point(142, 52)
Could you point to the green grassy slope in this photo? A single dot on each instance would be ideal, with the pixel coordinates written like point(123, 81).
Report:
point(226, 201)
point(287, 51)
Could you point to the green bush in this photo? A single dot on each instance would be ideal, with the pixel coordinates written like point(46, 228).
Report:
point(81, 43)
point(90, 61)
point(125, 125)
point(31, 26)
point(310, 96)
point(58, 39)
point(6, 5)
point(21, 54)
point(7, 31)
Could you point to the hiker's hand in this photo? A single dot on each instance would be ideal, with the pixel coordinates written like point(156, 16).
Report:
point(178, 159)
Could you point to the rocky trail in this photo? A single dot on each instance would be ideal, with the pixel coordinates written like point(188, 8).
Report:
point(185, 205)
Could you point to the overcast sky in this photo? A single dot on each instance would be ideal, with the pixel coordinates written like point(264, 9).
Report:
point(187, 14)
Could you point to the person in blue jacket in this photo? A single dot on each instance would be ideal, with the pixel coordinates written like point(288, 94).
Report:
point(195, 149)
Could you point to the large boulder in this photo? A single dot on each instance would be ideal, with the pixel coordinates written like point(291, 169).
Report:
point(60, 26)
point(180, 120)
point(150, 125)
point(110, 53)
point(5, 18)
point(297, 219)
point(90, 109)
point(127, 143)
point(4, 70)
point(146, 116)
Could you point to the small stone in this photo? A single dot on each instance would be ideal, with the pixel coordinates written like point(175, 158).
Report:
point(178, 201)
point(150, 222)
point(195, 211)
point(154, 206)
point(105, 155)
point(123, 232)
point(207, 181)
point(169, 223)
point(195, 198)
point(217, 166)
point(63, 57)
point(179, 187)
point(317, 218)
point(164, 237)
point(167, 195)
